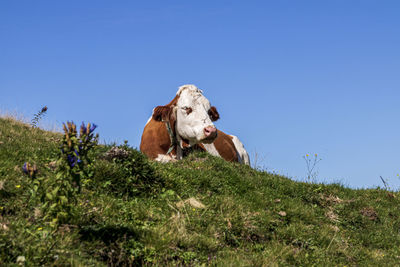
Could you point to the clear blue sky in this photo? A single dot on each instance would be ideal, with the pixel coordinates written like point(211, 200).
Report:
point(288, 77)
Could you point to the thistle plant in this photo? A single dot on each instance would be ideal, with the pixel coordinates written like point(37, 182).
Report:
point(61, 194)
point(38, 116)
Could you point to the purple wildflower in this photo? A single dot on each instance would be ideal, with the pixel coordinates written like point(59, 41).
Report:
point(25, 168)
point(93, 127)
point(72, 160)
point(77, 156)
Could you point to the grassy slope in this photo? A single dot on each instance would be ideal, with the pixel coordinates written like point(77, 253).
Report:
point(249, 218)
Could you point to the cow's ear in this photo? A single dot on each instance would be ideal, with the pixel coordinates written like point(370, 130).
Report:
point(161, 113)
point(214, 115)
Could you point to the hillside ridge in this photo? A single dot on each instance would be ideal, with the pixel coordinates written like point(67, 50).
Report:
point(200, 211)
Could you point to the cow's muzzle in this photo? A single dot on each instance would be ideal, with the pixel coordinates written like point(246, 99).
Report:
point(210, 134)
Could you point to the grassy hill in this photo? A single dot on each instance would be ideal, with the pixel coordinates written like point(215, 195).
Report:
point(200, 211)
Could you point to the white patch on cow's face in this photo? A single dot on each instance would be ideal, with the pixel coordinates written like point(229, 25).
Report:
point(192, 114)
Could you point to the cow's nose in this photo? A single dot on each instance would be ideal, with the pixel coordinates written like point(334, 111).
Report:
point(210, 131)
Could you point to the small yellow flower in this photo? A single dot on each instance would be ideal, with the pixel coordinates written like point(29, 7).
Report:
point(40, 229)
point(194, 209)
point(316, 155)
point(307, 155)
point(18, 186)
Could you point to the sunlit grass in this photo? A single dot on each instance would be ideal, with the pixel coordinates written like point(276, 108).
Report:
point(196, 212)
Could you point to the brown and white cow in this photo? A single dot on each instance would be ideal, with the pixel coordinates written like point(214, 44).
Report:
point(187, 121)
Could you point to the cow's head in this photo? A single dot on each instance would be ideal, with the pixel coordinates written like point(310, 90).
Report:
point(192, 115)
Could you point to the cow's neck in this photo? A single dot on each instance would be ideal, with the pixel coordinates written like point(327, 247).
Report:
point(182, 146)
point(172, 138)
point(176, 141)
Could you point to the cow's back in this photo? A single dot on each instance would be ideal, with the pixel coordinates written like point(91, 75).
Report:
point(225, 147)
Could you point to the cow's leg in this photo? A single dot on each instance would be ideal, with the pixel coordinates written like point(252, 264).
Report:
point(179, 151)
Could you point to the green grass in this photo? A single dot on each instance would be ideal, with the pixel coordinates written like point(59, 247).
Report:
point(196, 212)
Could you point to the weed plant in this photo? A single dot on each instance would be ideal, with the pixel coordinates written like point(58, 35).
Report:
point(311, 164)
point(38, 116)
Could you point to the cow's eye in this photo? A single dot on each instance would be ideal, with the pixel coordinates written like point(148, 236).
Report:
point(188, 110)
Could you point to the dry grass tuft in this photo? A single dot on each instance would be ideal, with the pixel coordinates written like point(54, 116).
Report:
point(331, 215)
point(192, 202)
